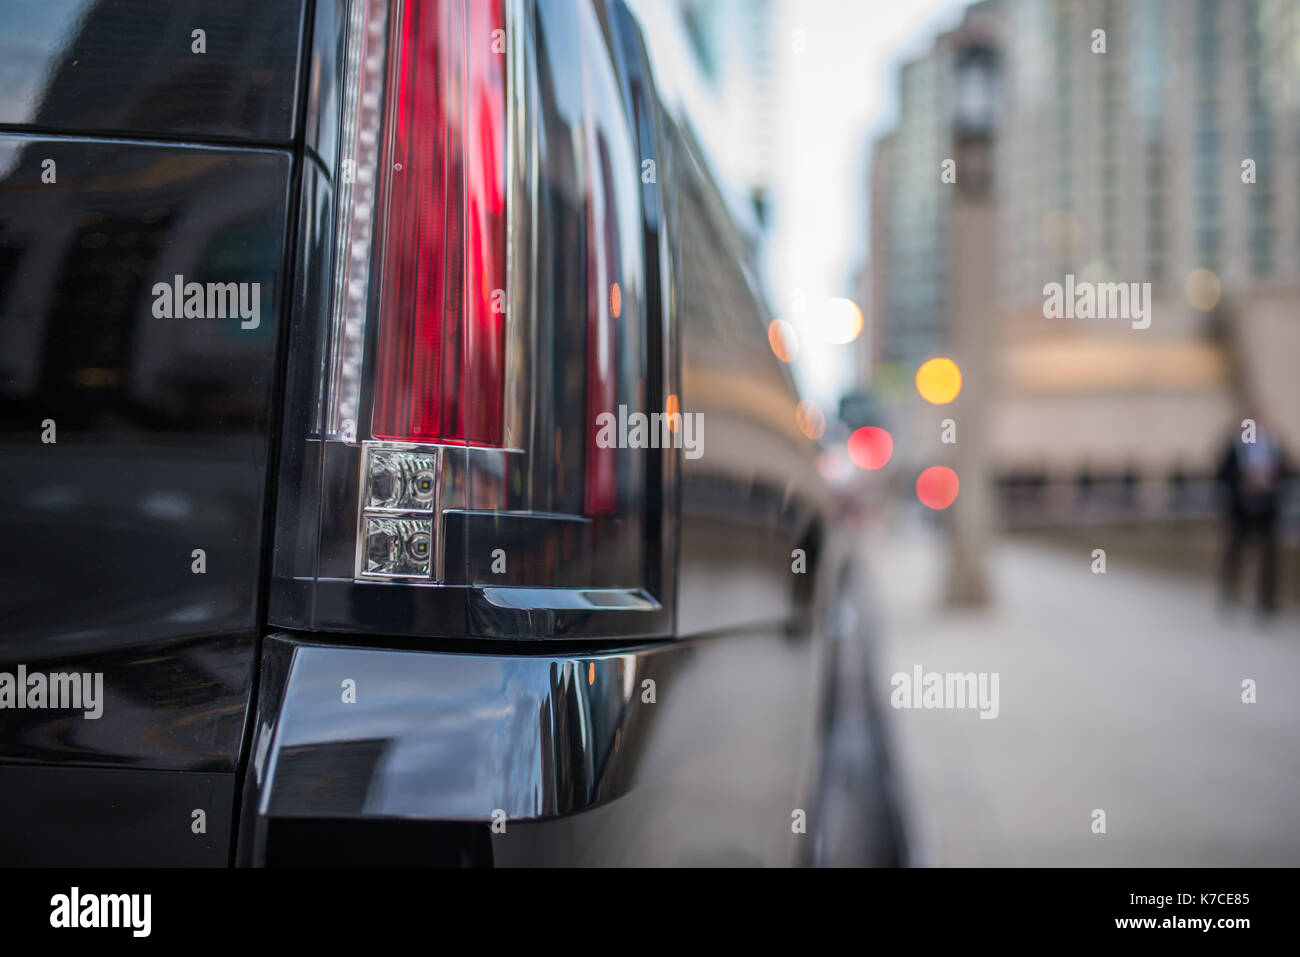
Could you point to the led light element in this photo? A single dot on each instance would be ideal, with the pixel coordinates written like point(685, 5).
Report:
point(357, 179)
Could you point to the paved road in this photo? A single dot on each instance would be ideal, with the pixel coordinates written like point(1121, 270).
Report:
point(1119, 692)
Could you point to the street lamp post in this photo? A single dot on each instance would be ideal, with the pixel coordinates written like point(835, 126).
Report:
point(972, 315)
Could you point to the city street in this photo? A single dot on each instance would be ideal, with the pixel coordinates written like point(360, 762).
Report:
point(1120, 692)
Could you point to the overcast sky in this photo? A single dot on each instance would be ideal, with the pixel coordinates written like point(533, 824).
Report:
point(830, 100)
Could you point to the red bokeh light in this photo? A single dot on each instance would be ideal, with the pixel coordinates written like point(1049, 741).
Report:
point(937, 487)
point(870, 448)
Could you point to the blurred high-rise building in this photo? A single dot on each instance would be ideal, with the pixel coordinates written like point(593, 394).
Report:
point(1127, 166)
point(734, 42)
point(1137, 141)
point(907, 276)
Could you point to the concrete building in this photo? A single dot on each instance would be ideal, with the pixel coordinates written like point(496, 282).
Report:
point(1127, 166)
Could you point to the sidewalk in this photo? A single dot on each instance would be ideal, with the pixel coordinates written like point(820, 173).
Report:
point(1119, 691)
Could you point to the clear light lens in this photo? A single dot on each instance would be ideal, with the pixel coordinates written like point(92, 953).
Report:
point(402, 481)
point(398, 547)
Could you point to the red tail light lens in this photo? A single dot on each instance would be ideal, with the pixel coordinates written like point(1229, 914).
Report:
point(442, 298)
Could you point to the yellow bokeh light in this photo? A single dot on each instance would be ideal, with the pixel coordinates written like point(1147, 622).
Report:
point(673, 408)
point(840, 321)
point(810, 419)
point(938, 381)
point(783, 340)
point(615, 301)
point(1203, 289)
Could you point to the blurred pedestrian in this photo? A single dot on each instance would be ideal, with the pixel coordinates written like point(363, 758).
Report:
point(1252, 470)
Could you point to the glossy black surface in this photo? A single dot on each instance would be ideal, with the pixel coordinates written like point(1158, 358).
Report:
point(102, 817)
point(755, 495)
point(129, 66)
point(161, 429)
point(707, 772)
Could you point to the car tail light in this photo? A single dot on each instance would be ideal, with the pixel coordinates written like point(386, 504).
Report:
point(490, 300)
point(441, 343)
point(419, 337)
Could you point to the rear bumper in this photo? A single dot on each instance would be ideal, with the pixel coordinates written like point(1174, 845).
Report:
point(526, 756)
point(380, 733)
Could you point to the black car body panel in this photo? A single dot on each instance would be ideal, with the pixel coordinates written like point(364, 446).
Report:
point(185, 69)
point(113, 817)
point(136, 448)
point(161, 441)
